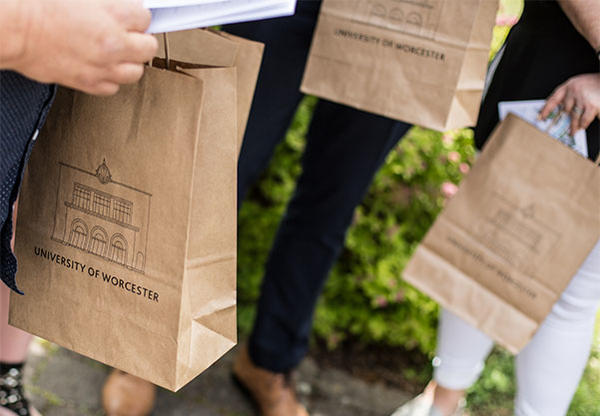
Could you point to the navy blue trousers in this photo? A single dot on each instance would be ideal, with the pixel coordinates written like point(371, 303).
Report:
point(345, 147)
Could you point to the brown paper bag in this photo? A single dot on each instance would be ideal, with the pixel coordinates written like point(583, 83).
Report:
point(511, 239)
point(127, 225)
point(422, 62)
point(220, 49)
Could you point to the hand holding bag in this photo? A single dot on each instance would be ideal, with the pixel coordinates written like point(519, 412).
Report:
point(127, 223)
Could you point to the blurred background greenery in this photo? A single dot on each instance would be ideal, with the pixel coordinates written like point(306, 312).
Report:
point(365, 301)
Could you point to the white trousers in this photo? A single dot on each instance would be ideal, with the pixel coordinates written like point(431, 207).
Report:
point(550, 367)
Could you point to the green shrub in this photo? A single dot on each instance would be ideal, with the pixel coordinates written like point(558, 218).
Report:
point(365, 296)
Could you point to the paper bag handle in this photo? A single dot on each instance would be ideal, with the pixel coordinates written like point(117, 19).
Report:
point(166, 45)
point(166, 48)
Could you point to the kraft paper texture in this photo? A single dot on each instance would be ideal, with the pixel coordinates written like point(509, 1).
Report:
point(127, 222)
point(418, 61)
point(509, 242)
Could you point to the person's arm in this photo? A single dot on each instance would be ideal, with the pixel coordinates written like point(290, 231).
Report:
point(585, 16)
point(88, 45)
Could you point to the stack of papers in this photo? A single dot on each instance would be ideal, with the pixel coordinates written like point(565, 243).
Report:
point(173, 15)
point(557, 125)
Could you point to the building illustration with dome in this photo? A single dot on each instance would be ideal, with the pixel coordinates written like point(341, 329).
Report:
point(416, 17)
point(99, 215)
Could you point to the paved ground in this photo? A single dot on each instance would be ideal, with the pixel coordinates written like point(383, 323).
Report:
point(62, 383)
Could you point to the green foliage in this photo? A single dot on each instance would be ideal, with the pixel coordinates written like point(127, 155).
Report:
point(587, 398)
point(365, 296)
point(494, 392)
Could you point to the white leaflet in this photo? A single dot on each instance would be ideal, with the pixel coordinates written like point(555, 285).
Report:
point(557, 124)
point(215, 12)
point(161, 4)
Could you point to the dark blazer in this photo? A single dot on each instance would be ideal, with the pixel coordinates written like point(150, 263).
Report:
point(542, 51)
point(23, 108)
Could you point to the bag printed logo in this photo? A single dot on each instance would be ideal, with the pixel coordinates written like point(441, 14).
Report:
point(141, 252)
point(510, 241)
point(373, 54)
point(516, 234)
point(101, 216)
point(416, 17)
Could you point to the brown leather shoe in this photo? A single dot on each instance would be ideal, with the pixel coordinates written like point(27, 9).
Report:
point(273, 393)
point(127, 395)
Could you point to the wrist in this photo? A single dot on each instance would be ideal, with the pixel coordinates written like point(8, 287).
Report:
point(16, 22)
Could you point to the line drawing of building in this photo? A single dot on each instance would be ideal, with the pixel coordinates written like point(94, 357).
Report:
point(416, 17)
point(514, 233)
point(98, 215)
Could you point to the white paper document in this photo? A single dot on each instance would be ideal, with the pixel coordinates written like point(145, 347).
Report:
point(163, 4)
point(556, 125)
point(172, 15)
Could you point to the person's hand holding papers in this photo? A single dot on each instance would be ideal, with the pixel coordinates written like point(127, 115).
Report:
point(579, 97)
point(92, 46)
